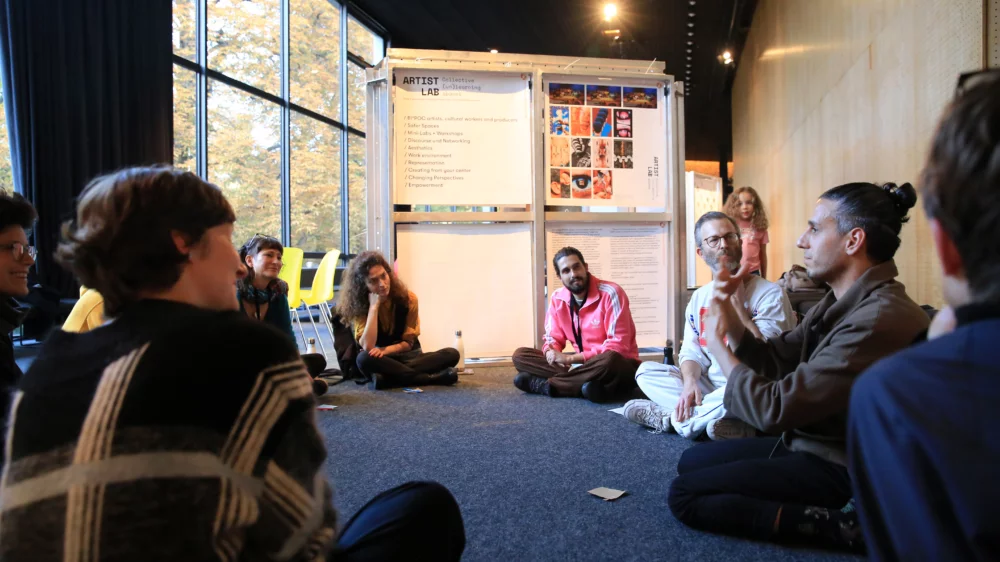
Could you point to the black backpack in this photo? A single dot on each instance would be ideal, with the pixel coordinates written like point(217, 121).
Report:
point(347, 349)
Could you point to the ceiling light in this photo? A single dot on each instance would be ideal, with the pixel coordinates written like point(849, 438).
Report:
point(689, 51)
point(691, 14)
point(727, 55)
point(494, 51)
point(617, 37)
point(690, 24)
point(609, 11)
point(692, 2)
point(690, 42)
point(690, 34)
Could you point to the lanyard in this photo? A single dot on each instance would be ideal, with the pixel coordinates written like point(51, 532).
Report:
point(577, 325)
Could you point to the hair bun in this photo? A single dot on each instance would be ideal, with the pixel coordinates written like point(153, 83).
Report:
point(904, 197)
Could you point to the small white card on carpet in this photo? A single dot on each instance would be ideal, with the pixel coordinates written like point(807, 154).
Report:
point(326, 407)
point(607, 494)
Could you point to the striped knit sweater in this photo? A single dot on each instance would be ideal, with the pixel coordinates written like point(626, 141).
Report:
point(173, 433)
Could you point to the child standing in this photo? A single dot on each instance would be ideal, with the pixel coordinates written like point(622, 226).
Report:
point(745, 207)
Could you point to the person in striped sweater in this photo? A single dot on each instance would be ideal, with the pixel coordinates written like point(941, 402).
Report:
point(182, 430)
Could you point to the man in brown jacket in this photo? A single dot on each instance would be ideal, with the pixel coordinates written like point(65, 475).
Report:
point(798, 384)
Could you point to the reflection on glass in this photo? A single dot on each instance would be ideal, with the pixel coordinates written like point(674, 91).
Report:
point(6, 172)
point(183, 32)
point(363, 42)
point(357, 195)
point(185, 139)
point(244, 158)
point(355, 96)
point(315, 185)
point(244, 41)
point(314, 56)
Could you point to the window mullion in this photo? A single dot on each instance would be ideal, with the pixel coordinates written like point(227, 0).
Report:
point(345, 203)
point(286, 195)
point(201, 89)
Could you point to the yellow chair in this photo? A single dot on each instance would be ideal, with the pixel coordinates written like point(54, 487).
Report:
point(321, 293)
point(87, 313)
point(291, 273)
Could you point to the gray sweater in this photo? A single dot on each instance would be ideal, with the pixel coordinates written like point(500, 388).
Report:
point(799, 383)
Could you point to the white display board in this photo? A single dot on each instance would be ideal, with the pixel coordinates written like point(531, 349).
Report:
point(704, 194)
point(473, 278)
point(461, 138)
point(605, 142)
point(633, 256)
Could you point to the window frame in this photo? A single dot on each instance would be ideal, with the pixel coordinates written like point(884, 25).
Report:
point(203, 73)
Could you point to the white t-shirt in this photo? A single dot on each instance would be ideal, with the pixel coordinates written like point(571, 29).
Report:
point(767, 304)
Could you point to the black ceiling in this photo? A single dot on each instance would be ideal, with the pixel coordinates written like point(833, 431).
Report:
point(649, 29)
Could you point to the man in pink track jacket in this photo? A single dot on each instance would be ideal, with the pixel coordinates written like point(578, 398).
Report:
point(593, 315)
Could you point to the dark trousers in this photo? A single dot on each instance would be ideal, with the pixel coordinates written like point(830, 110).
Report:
point(610, 369)
point(736, 487)
point(416, 521)
point(408, 368)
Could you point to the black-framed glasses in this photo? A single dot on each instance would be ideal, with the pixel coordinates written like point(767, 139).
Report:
point(967, 80)
point(18, 250)
point(714, 241)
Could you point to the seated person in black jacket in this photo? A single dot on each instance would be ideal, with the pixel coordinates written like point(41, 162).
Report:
point(386, 325)
point(16, 258)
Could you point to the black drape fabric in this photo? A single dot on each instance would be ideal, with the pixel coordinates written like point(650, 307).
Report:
point(88, 90)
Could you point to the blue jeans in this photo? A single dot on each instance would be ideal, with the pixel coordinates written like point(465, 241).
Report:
point(416, 521)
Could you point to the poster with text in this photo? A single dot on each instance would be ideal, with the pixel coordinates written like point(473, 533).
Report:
point(462, 138)
point(617, 138)
point(632, 256)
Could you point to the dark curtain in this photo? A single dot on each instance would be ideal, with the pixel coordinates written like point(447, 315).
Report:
point(88, 90)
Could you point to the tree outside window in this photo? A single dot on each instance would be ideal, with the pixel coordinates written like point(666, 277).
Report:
point(253, 106)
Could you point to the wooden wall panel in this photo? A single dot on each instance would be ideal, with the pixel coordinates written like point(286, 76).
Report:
point(847, 90)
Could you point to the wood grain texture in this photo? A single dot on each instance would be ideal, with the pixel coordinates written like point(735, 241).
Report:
point(847, 90)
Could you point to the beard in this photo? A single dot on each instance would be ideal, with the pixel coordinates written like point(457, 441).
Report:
point(578, 285)
point(730, 259)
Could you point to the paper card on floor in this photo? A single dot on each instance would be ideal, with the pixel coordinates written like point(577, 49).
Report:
point(619, 411)
point(326, 407)
point(607, 494)
point(412, 390)
point(465, 372)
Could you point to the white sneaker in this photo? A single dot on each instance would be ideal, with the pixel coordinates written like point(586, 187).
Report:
point(730, 428)
point(649, 414)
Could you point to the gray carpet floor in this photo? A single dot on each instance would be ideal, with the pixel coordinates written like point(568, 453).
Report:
point(520, 467)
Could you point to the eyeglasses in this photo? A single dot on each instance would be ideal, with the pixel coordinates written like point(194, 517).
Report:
point(18, 250)
point(967, 80)
point(713, 241)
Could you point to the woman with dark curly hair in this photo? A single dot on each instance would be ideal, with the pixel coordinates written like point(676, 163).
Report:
point(386, 324)
point(263, 296)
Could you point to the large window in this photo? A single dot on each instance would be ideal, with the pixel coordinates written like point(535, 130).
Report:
point(269, 104)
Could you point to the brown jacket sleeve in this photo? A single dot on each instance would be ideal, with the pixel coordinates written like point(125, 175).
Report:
point(774, 357)
point(820, 387)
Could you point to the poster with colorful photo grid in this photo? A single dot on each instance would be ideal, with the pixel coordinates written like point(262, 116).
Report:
point(606, 143)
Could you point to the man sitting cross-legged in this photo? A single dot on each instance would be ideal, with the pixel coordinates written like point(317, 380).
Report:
point(689, 399)
point(797, 384)
point(594, 316)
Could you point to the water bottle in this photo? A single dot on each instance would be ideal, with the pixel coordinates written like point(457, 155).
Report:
point(668, 353)
point(310, 346)
point(461, 350)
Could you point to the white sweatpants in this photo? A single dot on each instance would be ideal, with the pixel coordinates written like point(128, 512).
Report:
point(663, 385)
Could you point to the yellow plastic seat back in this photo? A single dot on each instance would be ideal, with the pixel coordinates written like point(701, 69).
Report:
point(87, 313)
point(291, 273)
point(322, 286)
